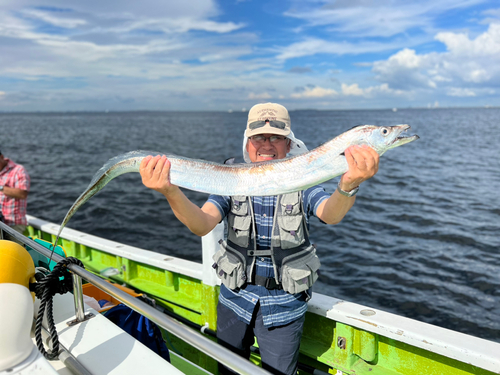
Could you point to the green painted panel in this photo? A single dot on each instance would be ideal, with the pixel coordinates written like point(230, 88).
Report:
point(190, 353)
point(365, 345)
point(185, 366)
point(317, 338)
point(410, 360)
point(209, 306)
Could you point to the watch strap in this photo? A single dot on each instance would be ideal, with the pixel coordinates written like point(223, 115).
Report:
point(351, 193)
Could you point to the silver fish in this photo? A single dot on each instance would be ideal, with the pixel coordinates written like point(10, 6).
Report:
point(254, 179)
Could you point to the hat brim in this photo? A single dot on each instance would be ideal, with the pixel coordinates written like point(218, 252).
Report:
point(267, 129)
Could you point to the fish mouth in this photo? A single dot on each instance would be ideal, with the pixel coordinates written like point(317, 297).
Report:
point(402, 138)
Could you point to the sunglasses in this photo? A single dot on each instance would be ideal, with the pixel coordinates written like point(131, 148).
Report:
point(272, 123)
point(258, 139)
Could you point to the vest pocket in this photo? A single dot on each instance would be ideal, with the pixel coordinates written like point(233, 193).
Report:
point(239, 229)
point(230, 268)
point(291, 231)
point(299, 273)
point(290, 219)
point(290, 203)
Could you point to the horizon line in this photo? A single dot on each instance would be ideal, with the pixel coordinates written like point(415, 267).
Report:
point(393, 109)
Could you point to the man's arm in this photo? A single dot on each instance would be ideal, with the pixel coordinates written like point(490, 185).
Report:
point(363, 164)
point(155, 173)
point(15, 192)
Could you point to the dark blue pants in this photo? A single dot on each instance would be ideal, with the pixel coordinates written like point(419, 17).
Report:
point(279, 346)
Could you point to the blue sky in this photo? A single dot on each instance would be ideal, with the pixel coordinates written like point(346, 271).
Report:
point(228, 55)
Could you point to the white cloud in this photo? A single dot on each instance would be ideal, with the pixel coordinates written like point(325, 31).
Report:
point(406, 58)
point(363, 64)
point(377, 20)
point(87, 51)
point(467, 62)
point(263, 95)
point(485, 45)
point(492, 16)
point(69, 23)
point(461, 92)
point(113, 16)
point(353, 90)
point(382, 18)
point(313, 46)
point(205, 25)
point(170, 26)
point(314, 92)
point(120, 8)
point(405, 70)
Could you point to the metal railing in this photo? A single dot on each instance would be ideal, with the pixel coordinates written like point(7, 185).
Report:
point(205, 345)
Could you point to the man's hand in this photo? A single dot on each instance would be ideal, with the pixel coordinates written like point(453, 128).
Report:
point(363, 164)
point(155, 173)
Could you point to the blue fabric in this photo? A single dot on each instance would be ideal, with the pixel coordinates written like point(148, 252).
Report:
point(139, 327)
point(279, 346)
point(278, 307)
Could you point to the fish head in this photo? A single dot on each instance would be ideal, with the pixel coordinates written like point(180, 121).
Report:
point(383, 138)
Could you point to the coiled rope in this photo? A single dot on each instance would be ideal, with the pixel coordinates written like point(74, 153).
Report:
point(58, 281)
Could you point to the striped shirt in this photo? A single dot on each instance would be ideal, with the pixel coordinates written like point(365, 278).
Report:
point(278, 307)
point(14, 210)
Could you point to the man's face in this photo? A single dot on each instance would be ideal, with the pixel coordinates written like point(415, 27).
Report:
point(263, 149)
point(3, 162)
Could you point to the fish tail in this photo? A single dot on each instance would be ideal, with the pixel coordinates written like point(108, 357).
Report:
point(115, 167)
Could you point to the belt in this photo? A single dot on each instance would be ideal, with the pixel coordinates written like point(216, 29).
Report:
point(268, 282)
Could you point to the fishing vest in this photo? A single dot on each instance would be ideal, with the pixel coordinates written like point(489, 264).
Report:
point(294, 258)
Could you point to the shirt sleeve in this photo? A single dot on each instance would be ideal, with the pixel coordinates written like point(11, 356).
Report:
point(313, 198)
point(222, 203)
point(21, 178)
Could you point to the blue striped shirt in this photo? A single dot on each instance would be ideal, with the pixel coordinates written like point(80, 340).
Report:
point(278, 307)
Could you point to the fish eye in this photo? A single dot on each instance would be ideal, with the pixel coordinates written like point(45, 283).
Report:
point(384, 131)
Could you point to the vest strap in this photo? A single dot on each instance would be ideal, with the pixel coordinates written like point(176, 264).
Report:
point(269, 283)
point(259, 253)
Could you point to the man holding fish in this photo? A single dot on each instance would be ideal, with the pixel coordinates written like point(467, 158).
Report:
point(267, 264)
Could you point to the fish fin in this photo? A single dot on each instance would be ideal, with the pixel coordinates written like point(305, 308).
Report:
point(229, 161)
point(356, 126)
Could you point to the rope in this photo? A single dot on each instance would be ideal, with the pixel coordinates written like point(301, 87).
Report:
point(58, 281)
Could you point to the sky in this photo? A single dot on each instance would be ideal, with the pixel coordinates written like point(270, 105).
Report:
point(197, 55)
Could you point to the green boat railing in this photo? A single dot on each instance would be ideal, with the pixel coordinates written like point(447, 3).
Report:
point(339, 337)
point(207, 346)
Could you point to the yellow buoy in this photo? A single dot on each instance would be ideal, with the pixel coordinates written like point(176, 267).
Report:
point(16, 265)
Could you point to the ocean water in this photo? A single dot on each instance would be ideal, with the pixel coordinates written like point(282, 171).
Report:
point(422, 241)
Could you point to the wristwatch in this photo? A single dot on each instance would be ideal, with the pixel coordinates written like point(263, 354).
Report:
point(351, 193)
point(1, 187)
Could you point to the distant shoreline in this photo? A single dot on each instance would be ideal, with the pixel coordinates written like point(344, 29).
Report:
point(230, 112)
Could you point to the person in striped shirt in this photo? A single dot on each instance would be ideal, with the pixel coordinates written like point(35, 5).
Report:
point(266, 263)
point(14, 188)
